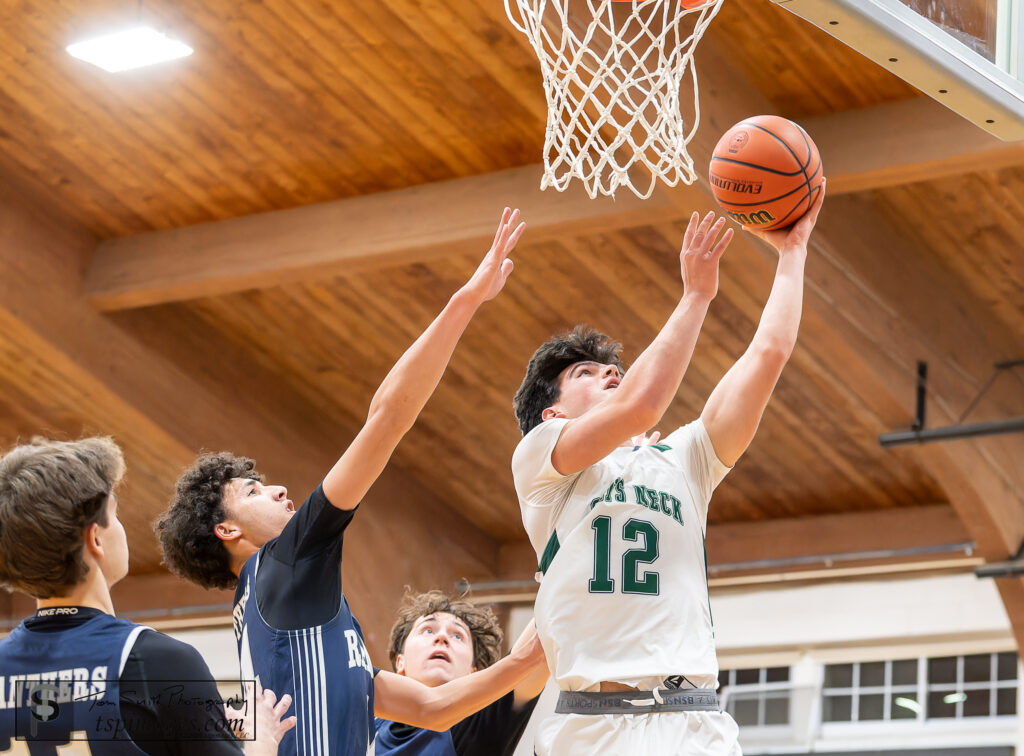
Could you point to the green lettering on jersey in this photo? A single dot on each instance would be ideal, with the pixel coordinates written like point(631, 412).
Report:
point(549, 553)
point(707, 587)
point(659, 501)
point(663, 499)
point(641, 495)
point(652, 499)
point(676, 514)
point(632, 581)
point(602, 581)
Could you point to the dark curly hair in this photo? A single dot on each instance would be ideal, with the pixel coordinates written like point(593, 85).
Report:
point(480, 620)
point(191, 548)
point(540, 389)
point(50, 492)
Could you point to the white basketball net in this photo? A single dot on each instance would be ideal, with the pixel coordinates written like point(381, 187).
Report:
point(613, 73)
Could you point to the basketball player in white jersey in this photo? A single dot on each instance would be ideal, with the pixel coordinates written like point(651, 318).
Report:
point(618, 524)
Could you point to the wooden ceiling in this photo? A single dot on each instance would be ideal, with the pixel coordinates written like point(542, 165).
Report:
point(289, 103)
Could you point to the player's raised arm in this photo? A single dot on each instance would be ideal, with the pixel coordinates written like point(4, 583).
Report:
point(735, 407)
point(402, 699)
point(647, 389)
point(414, 377)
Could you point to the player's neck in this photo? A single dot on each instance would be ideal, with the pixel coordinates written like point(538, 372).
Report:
point(92, 592)
point(239, 553)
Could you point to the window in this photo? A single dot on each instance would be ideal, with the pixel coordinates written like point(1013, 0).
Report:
point(871, 691)
point(757, 697)
point(978, 685)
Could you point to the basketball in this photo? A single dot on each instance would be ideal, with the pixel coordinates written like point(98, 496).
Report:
point(765, 172)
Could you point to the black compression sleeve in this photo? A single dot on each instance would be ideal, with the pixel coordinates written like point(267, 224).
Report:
point(168, 694)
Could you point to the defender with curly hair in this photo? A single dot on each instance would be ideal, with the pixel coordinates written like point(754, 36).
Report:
point(438, 638)
point(226, 527)
point(618, 519)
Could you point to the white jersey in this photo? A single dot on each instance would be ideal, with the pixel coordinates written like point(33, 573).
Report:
point(623, 568)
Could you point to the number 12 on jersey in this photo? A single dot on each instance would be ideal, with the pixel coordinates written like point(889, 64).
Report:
point(632, 581)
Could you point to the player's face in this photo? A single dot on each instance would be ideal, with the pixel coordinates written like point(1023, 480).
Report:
point(583, 386)
point(261, 511)
point(115, 545)
point(439, 648)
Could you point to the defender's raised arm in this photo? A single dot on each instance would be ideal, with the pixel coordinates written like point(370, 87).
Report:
point(406, 388)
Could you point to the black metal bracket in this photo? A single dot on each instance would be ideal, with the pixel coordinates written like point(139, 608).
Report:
point(1011, 568)
point(917, 433)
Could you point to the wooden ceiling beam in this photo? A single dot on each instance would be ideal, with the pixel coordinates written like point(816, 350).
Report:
point(211, 400)
point(913, 140)
point(902, 143)
point(327, 239)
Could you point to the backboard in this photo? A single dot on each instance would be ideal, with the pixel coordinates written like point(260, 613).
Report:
point(966, 54)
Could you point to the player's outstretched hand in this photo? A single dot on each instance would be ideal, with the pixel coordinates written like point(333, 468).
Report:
point(270, 722)
point(495, 268)
point(702, 249)
point(797, 235)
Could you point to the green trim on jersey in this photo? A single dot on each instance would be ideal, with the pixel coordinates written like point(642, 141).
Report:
point(549, 553)
point(661, 447)
point(707, 587)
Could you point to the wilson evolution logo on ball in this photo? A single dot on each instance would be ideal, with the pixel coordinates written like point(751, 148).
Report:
point(759, 218)
point(732, 185)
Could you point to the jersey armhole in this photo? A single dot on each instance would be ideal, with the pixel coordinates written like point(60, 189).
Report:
point(129, 644)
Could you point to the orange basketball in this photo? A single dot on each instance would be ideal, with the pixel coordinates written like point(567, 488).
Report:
point(765, 172)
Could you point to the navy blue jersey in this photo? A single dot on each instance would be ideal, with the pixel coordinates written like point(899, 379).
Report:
point(395, 740)
point(493, 731)
point(60, 687)
point(325, 668)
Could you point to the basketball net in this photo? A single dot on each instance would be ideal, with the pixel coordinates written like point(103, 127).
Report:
point(613, 75)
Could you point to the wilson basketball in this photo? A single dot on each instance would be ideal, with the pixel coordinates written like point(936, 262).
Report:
point(765, 172)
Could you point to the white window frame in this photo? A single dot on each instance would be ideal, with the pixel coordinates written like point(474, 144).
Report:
point(761, 689)
point(922, 688)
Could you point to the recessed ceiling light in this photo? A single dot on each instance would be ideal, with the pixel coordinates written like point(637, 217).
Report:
point(132, 48)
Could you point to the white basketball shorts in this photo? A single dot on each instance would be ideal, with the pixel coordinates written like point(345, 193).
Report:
point(677, 733)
